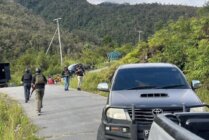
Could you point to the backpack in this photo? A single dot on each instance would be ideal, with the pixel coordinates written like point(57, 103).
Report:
point(40, 79)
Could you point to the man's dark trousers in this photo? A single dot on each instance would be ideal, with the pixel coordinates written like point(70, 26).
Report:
point(27, 87)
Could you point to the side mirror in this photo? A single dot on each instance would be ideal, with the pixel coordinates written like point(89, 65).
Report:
point(103, 87)
point(196, 84)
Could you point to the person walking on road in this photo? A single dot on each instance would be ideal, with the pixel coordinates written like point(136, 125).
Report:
point(39, 81)
point(27, 79)
point(80, 73)
point(66, 77)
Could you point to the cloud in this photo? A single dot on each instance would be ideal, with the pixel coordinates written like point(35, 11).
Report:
point(178, 2)
point(95, 1)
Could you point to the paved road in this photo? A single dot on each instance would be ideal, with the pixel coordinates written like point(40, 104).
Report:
point(71, 115)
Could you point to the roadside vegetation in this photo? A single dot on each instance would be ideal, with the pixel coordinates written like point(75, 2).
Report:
point(14, 125)
point(91, 80)
point(184, 43)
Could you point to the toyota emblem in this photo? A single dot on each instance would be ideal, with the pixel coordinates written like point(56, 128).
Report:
point(157, 111)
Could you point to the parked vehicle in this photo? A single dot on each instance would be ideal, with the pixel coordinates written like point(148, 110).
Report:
point(180, 126)
point(4, 74)
point(72, 68)
point(138, 93)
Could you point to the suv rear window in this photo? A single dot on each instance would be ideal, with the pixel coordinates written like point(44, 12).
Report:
point(146, 78)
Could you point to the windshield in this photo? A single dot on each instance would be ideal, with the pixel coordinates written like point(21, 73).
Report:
point(149, 78)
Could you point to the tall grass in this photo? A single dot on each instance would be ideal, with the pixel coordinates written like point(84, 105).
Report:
point(14, 125)
point(203, 95)
point(90, 82)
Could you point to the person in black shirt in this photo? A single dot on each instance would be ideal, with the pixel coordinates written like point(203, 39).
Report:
point(66, 78)
point(27, 79)
point(80, 73)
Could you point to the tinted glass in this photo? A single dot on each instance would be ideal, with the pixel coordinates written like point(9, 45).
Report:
point(146, 78)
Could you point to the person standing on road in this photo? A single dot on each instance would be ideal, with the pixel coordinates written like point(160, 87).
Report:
point(27, 79)
point(66, 77)
point(39, 81)
point(80, 73)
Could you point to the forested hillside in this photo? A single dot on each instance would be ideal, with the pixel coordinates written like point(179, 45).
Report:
point(109, 21)
point(21, 30)
point(184, 43)
point(25, 37)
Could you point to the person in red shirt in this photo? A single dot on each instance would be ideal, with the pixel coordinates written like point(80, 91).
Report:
point(50, 80)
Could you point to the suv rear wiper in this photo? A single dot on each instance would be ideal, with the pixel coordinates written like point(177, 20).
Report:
point(171, 86)
point(142, 87)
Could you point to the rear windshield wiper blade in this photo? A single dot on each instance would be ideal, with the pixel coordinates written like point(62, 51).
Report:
point(171, 86)
point(142, 87)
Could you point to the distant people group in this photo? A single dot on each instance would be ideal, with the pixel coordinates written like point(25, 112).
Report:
point(67, 74)
point(38, 82)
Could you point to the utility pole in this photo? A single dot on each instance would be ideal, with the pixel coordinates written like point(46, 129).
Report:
point(58, 29)
point(59, 38)
point(139, 34)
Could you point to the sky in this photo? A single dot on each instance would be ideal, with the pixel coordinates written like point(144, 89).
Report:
point(197, 3)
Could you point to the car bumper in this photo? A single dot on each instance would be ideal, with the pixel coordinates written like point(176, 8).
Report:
point(125, 130)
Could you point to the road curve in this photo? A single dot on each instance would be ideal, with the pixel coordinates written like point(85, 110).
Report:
point(66, 115)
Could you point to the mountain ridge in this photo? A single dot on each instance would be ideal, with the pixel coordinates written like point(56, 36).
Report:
point(22, 30)
point(120, 22)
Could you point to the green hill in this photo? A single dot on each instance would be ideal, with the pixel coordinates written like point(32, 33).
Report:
point(119, 22)
point(21, 30)
point(25, 37)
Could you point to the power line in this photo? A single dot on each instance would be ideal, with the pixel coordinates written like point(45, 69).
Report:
point(51, 42)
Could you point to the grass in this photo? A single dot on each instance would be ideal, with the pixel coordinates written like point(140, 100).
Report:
point(203, 95)
point(90, 82)
point(14, 124)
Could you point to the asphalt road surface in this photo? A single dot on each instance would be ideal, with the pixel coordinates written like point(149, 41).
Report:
point(66, 115)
